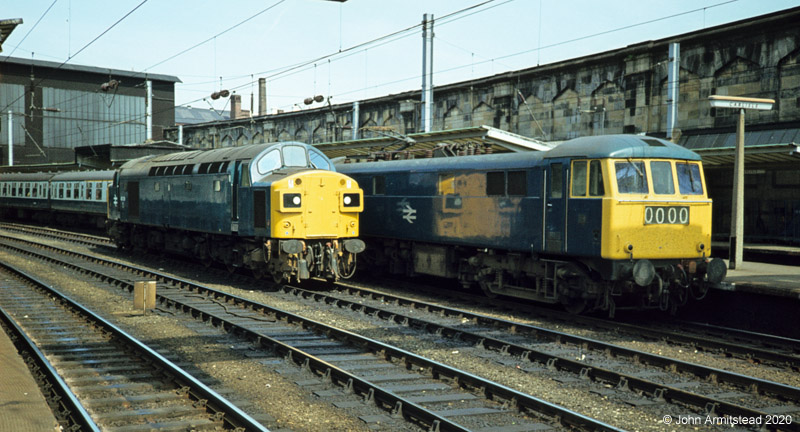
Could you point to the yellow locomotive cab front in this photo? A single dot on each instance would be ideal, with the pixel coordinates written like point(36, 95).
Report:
point(317, 204)
point(659, 209)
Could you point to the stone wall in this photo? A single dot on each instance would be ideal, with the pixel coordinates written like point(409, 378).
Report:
point(619, 91)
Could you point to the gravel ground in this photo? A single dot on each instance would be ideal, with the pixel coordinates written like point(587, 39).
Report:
point(280, 402)
point(280, 398)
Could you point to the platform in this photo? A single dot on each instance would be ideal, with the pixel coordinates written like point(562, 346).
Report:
point(766, 270)
point(23, 407)
point(764, 279)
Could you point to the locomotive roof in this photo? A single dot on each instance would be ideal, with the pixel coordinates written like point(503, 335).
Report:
point(38, 176)
point(597, 147)
point(621, 146)
point(244, 153)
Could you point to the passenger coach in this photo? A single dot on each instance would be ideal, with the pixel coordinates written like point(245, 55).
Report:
point(602, 223)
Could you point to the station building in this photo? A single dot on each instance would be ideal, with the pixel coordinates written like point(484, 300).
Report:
point(56, 107)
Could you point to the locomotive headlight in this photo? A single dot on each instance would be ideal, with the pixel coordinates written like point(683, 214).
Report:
point(292, 200)
point(351, 200)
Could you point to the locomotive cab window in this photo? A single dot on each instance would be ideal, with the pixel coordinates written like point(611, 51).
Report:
point(596, 186)
point(661, 171)
point(319, 160)
point(579, 173)
point(631, 177)
point(689, 180)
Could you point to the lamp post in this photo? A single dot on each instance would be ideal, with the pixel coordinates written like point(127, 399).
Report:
point(737, 206)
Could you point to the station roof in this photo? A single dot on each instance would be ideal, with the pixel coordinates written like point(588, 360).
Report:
point(89, 69)
point(760, 147)
point(6, 27)
point(498, 140)
point(189, 115)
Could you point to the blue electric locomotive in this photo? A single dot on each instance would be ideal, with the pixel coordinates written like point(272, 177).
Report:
point(276, 209)
point(597, 223)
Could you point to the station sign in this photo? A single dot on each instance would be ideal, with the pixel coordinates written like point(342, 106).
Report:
point(741, 103)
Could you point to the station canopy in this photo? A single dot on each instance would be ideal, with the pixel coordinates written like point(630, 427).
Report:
point(455, 142)
point(772, 146)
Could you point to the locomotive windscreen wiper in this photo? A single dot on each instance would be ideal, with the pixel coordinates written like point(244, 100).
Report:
point(638, 171)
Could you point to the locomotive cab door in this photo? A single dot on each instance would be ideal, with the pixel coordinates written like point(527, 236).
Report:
point(555, 202)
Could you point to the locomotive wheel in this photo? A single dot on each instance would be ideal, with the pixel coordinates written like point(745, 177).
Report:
point(486, 288)
point(572, 281)
point(575, 305)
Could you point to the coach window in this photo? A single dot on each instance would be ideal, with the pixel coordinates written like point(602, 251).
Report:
point(579, 178)
point(631, 177)
point(689, 180)
point(156, 186)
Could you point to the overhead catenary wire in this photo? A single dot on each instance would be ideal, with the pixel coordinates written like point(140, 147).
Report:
point(41, 80)
point(288, 72)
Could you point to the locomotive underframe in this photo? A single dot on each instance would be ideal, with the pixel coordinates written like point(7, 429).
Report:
point(579, 284)
point(280, 259)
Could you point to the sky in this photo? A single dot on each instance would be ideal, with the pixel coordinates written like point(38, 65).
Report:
point(348, 51)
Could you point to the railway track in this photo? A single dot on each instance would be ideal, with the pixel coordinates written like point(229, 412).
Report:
point(409, 387)
point(75, 237)
point(104, 378)
point(649, 378)
point(752, 347)
point(653, 383)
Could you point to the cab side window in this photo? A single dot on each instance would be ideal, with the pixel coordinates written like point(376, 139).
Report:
point(579, 178)
point(596, 187)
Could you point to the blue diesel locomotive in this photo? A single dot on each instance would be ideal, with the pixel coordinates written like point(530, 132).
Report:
point(277, 209)
point(597, 223)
